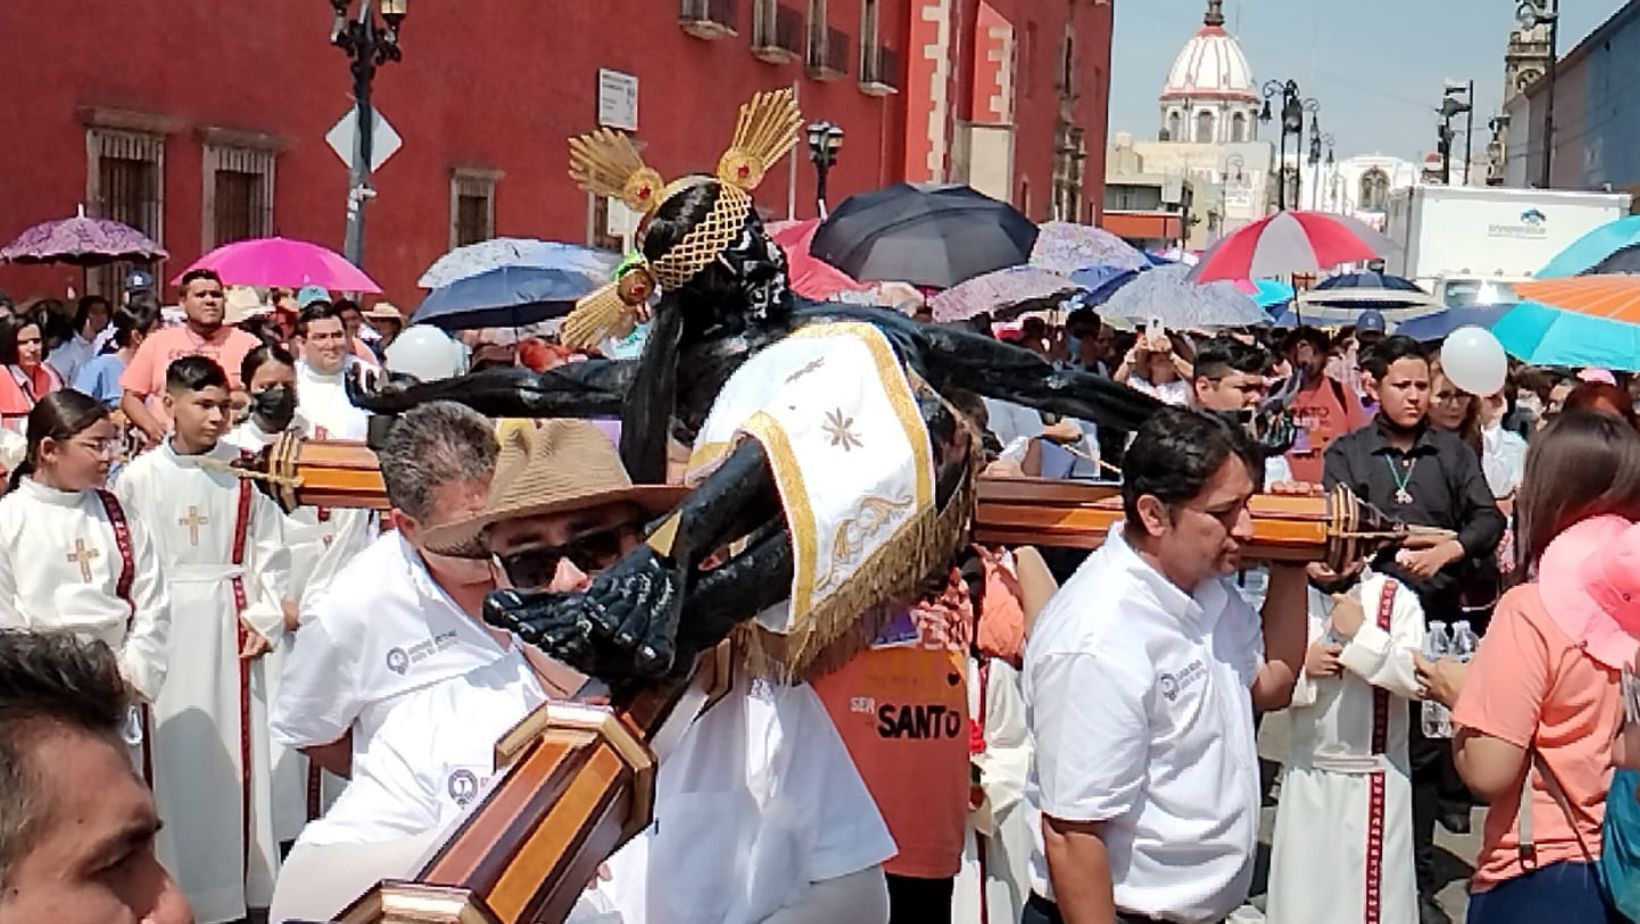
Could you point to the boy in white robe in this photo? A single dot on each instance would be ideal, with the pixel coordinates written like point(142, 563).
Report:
point(226, 566)
point(1343, 836)
point(71, 558)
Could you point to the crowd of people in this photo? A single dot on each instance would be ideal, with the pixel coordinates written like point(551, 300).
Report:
point(312, 697)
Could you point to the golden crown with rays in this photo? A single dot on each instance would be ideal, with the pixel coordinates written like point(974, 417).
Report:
point(606, 162)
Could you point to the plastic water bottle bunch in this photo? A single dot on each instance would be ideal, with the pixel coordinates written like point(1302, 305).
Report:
point(1460, 644)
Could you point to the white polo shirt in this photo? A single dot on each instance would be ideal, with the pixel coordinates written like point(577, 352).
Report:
point(758, 799)
point(1138, 700)
point(381, 629)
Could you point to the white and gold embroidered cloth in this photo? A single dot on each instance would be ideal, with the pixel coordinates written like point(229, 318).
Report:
point(834, 411)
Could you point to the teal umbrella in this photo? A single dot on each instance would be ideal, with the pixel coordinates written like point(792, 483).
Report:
point(1589, 250)
point(1536, 333)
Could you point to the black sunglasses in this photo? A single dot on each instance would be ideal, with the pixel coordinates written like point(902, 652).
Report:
point(593, 552)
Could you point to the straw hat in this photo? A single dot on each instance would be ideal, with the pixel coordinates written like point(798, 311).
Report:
point(550, 467)
point(242, 302)
point(383, 311)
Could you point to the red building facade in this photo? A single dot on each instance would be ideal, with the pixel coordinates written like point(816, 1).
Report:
point(204, 121)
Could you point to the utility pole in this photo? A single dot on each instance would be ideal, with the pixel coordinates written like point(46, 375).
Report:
point(368, 45)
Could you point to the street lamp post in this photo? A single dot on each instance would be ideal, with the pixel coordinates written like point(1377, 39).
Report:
point(1531, 14)
point(1293, 107)
point(1317, 139)
point(368, 44)
point(1458, 99)
point(825, 140)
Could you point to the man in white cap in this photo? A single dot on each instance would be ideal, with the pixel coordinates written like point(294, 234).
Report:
point(760, 814)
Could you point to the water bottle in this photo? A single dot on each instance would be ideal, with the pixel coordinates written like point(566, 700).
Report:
point(1464, 645)
point(1436, 719)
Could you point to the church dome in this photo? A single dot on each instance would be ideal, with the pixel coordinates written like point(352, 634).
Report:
point(1211, 65)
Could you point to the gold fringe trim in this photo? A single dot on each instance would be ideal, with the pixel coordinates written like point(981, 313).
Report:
point(851, 619)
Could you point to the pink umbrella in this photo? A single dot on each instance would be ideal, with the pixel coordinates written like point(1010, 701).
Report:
point(278, 261)
point(811, 277)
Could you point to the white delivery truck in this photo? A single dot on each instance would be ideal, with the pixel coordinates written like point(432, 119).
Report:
point(1464, 244)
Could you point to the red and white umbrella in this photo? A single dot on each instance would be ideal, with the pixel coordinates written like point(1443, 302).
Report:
point(1291, 242)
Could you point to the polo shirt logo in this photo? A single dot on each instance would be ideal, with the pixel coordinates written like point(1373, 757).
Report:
point(400, 660)
point(463, 786)
point(1172, 684)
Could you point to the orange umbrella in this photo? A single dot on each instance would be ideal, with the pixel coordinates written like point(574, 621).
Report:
point(1614, 296)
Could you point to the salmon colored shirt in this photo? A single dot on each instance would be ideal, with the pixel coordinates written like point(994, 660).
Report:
point(145, 374)
point(902, 710)
point(1531, 685)
point(1324, 414)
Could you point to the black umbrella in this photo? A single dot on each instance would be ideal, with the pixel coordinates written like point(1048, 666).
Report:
point(927, 235)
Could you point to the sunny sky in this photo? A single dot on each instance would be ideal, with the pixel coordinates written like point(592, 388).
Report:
point(1376, 67)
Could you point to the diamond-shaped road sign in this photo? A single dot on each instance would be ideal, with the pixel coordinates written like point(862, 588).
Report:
point(384, 141)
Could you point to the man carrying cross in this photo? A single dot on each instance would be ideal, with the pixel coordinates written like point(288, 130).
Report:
point(222, 551)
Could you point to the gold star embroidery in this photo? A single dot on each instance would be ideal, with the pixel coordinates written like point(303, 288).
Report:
point(841, 430)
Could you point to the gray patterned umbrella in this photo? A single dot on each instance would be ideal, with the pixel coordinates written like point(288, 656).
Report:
point(81, 241)
point(1167, 293)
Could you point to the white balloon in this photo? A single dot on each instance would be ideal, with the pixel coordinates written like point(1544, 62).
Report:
point(1474, 360)
point(425, 352)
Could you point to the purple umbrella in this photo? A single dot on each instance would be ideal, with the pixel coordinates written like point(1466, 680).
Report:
point(81, 241)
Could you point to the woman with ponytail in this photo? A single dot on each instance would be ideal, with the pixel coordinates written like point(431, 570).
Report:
point(69, 557)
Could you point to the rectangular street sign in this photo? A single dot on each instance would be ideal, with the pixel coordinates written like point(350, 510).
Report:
point(343, 138)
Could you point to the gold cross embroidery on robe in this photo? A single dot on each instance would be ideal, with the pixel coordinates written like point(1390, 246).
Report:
point(194, 520)
point(83, 556)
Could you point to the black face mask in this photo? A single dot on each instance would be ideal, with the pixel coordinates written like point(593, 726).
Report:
point(274, 407)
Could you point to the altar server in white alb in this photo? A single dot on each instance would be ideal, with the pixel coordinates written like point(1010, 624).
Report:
point(221, 545)
point(1343, 838)
point(71, 558)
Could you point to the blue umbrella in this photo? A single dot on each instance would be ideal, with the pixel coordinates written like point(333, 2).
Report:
point(1438, 325)
point(1369, 280)
point(1535, 333)
point(1591, 248)
point(1092, 277)
point(511, 296)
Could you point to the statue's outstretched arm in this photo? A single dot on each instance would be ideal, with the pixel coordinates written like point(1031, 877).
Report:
point(955, 358)
point(590, 389)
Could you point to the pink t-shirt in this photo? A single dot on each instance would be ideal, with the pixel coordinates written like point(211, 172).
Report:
point(1531, 685)
point(145, 374)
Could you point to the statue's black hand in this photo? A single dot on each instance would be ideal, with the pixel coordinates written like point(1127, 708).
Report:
point(556, 623)
point(624, 626)
point(635, 609)
point(384, 392)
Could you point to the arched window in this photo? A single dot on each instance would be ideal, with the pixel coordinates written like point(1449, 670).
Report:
point(1238, 127)
point(1173, 126)
point(1374, 190)
point(1204, 127)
